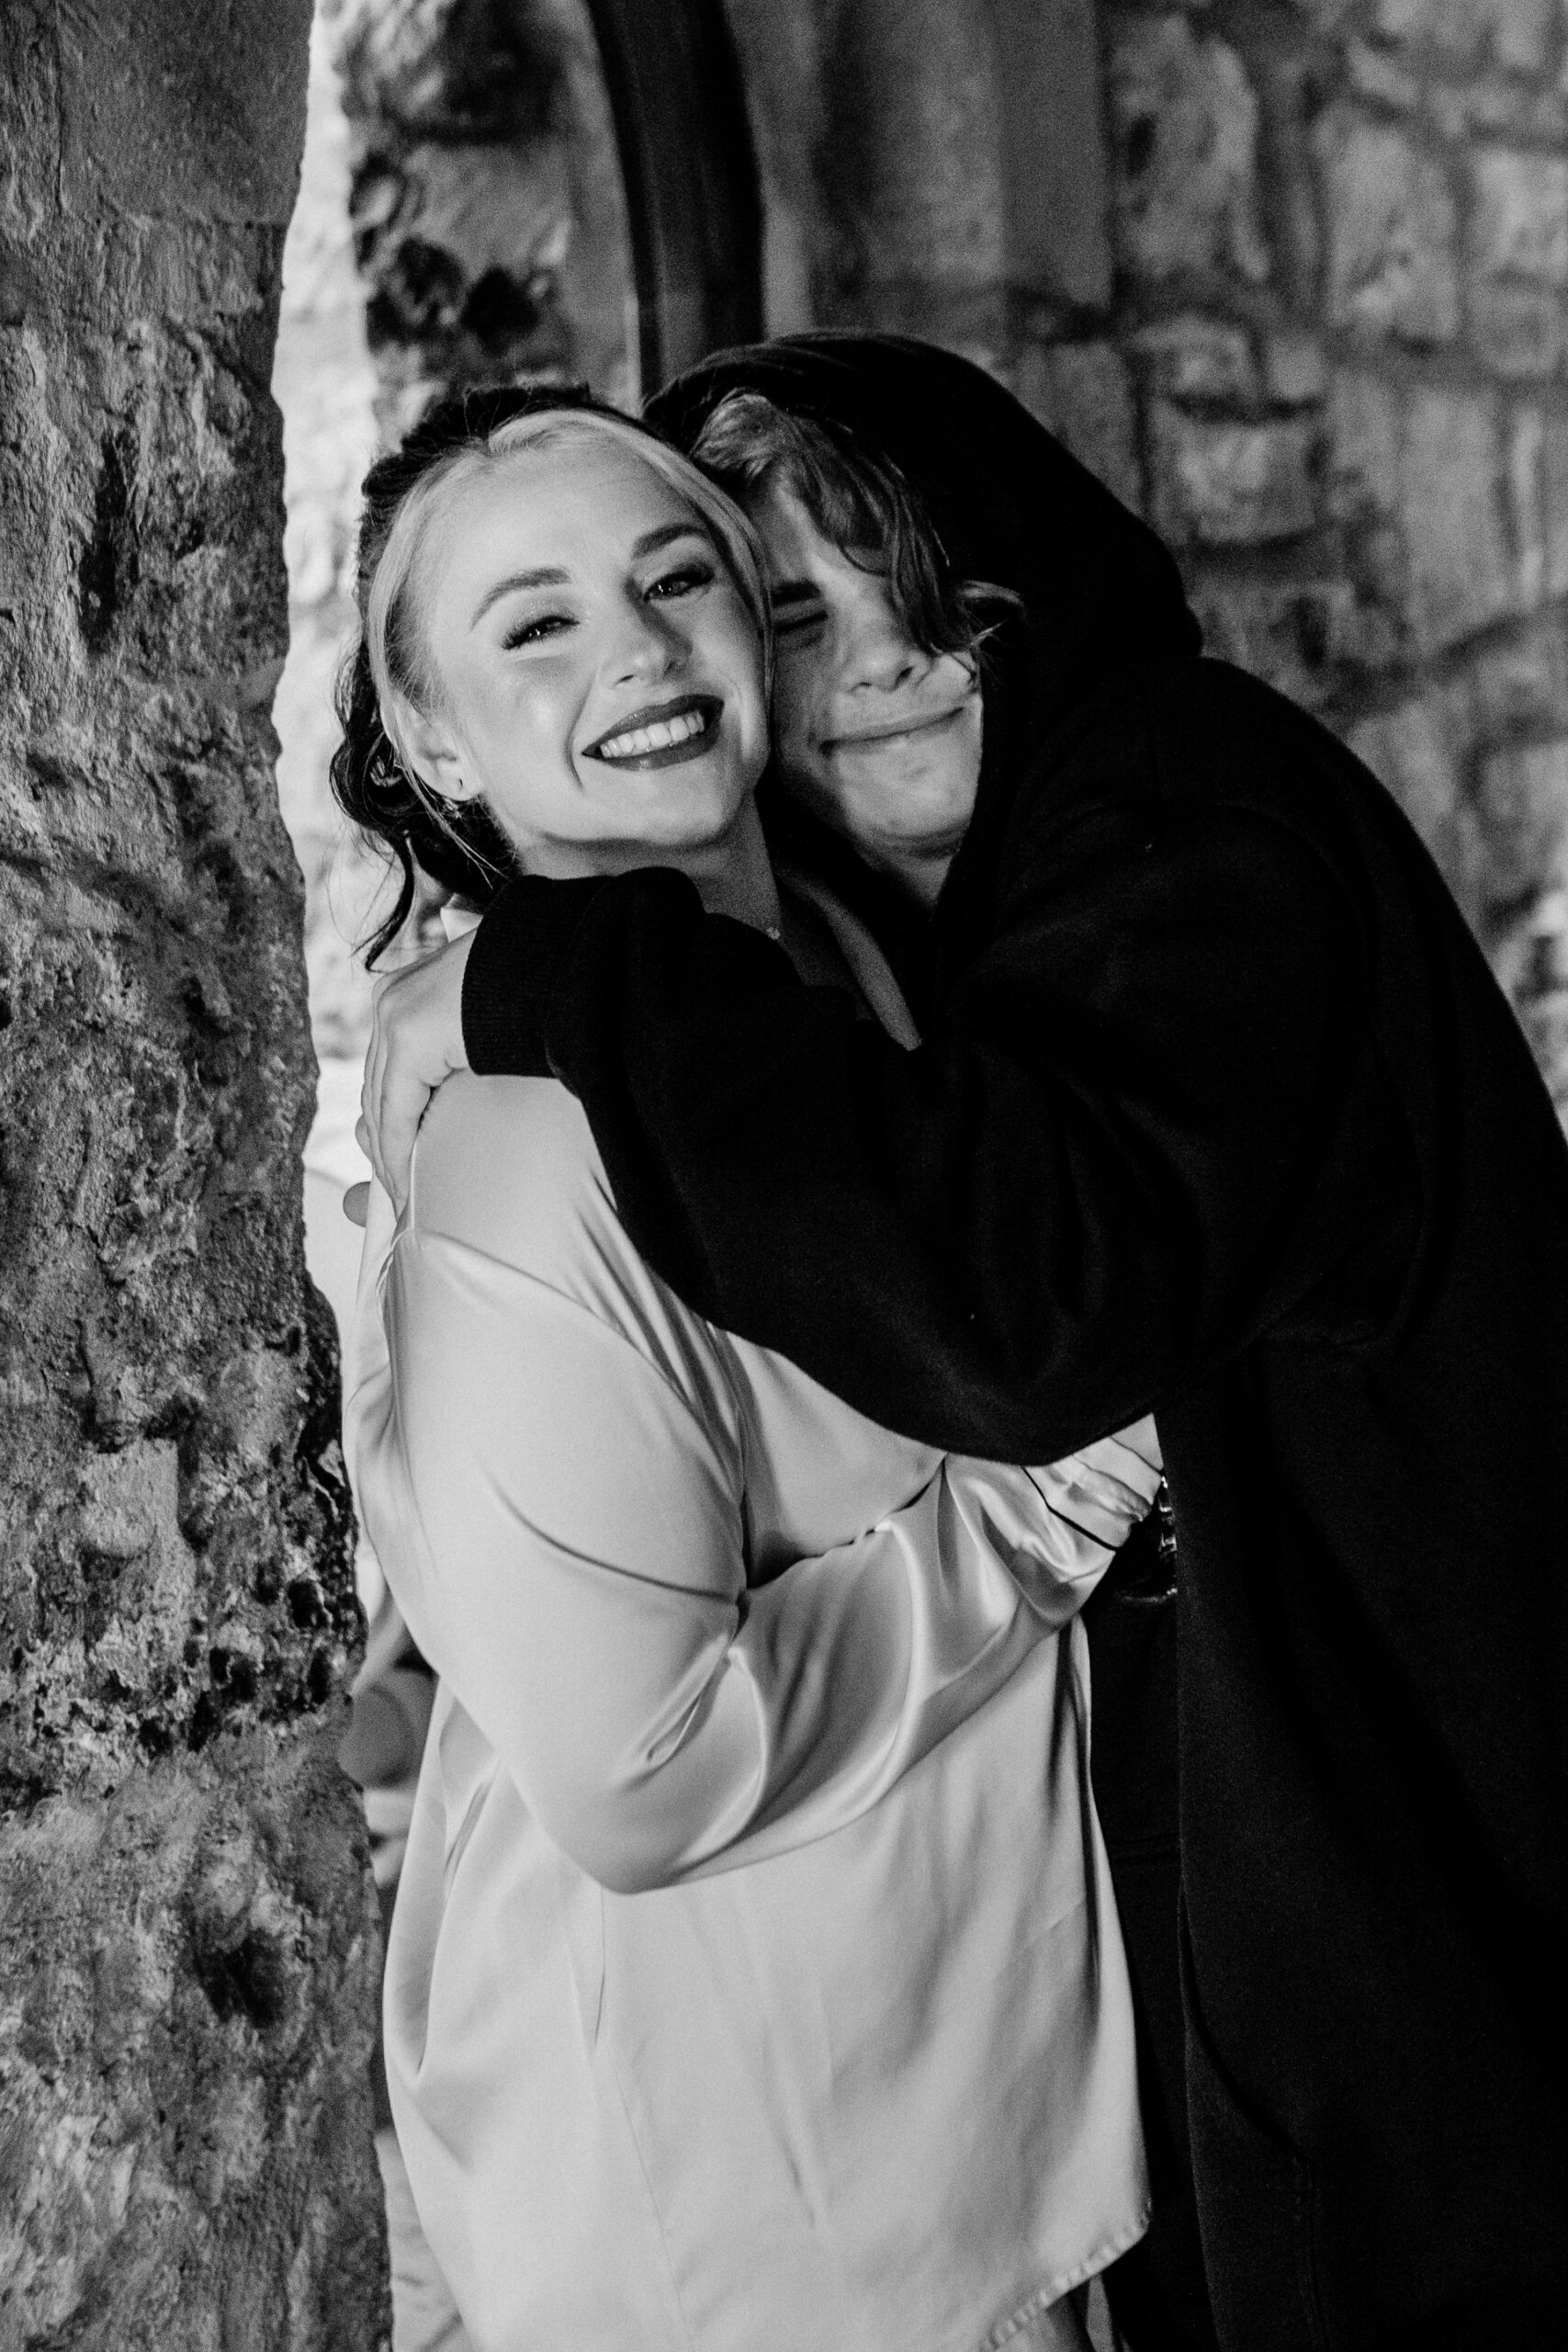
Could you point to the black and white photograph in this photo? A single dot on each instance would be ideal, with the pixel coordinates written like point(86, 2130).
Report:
point(783, 1192)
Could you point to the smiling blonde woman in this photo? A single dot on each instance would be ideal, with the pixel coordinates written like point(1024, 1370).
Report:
point(755, 1983)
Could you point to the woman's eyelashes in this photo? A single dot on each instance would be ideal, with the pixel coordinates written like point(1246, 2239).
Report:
point(684, 580)
point(537, 628)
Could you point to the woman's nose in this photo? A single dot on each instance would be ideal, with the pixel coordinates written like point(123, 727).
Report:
point(643, 646)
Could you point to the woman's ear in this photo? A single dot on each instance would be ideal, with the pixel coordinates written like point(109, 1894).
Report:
point(429, 748)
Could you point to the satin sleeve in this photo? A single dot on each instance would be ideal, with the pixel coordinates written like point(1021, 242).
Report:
point(561, 1519)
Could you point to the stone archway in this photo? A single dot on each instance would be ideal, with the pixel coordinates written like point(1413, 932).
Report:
point(691, 177)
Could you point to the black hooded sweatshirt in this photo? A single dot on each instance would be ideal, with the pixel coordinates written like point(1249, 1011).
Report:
point(1220, 1110)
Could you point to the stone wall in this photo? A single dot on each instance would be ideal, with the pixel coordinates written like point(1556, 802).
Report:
point(187, 1937)
point(1322, 348)
point(486, 202)
point(1342, 247)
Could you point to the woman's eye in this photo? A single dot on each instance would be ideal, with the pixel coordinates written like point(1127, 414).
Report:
point(682, 581)
point(534, 631)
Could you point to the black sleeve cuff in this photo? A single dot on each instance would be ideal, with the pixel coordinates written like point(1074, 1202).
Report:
point(513, 968)
point(521, 950)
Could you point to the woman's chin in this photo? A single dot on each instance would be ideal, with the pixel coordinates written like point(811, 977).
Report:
point(681, 835)
point(687, 811)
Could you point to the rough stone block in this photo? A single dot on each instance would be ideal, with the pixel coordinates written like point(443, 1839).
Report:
point(1545, 1021)
point(1537, 471)
point(1519, 684)
point(1461, 568)
point(1184, 121)
point(1555, 497)
point(1525, 473)
point(158, 122)
point(1366, 425)
point(190, 1973)
point(1545, 116)
point(1386, 80)
point(1408, 749)
point(1497, 107)
point(1080, 391)
point(1287, 632)
point(1391, 223)
point(1226, 484)
point(1523, 804)
point(1518, 32)
point(1369, 626)
point(1518, 220)
point(1517, 330)
point(1417, 750)
point(1295, 370)
point(1521, 32)
point(1195, 359)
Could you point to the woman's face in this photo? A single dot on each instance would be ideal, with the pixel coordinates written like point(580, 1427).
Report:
point(880, 737)
point(599, 677)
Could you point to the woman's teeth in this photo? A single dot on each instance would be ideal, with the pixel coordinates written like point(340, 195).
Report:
point(657, 738)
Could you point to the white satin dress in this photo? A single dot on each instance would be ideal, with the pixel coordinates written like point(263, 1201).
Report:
point(755, 1983)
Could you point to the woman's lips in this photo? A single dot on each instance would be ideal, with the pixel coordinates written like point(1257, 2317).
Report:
point(660, 734)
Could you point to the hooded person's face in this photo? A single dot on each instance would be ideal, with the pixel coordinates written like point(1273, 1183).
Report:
point(878, 737)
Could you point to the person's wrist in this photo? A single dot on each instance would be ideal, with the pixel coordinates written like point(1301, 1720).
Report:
point(523, 946)
point(514, 958)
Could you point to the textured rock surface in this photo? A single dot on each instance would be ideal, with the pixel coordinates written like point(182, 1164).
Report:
point(1185, 127)
point(1229, 482)
point(186, 1932)
point(1390, 214)
point(1343, 244)
point(488, 216)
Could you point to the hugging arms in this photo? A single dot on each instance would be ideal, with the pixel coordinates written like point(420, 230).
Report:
point(1217, 1109)
point(754, 1978)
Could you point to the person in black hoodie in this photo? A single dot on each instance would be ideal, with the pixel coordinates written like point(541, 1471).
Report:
point(1219, 1111)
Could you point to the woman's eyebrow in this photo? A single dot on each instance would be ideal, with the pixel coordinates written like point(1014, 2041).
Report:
point(551, 575)
point(548, 576)
point(664, 533)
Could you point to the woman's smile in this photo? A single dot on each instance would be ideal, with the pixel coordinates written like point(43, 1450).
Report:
point(585, 637)
point(663, 734)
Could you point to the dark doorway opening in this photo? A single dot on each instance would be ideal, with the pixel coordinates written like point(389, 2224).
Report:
point(692, 206)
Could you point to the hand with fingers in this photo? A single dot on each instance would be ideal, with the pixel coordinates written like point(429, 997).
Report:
point(416, 1041)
